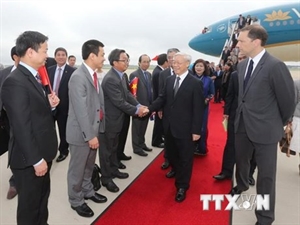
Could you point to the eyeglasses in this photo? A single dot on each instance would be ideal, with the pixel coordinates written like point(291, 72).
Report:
point(124, 60)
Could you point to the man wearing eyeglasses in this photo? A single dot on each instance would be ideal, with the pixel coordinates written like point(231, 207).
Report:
point(118, 102)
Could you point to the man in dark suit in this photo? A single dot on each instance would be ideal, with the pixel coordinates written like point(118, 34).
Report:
point(157, 134)
point(59, 76)
point(266, 101)
point(241, 22)
point(12, 191)
point(217, 77)
point(33, 141)
point(183, 107)
point(224, 56)
point(163, 75)
point(143, 96)
point(118, 102)
point(124, 132)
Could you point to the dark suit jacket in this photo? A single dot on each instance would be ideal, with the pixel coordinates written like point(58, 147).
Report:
point(155, 81)
point(118, 101)
point(4, 123)
point(3, 74)
point(182, 114)
point(218, 80)
point(33, 135)
point(63, 91)
point(163, 75)
point(268, 100)
point(231, 99)
point(142, 94)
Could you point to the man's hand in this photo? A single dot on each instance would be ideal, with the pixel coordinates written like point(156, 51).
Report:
point(53, 99)
point(94, 143)
point(196, 137)
point(160, 114)
point(143, 111)
point(41, 169)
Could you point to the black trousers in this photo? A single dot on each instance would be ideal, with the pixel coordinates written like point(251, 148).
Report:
point(62, 123)
point(138, 131)
point(180, 153)
point(33, 194)
point(123, 136)
point(157, 132)
point(108, 156)
point(229, 149)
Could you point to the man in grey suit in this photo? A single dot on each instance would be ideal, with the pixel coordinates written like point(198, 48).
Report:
point(118, 102)
point(85, 128)
point(265, 103)
point(144, 96)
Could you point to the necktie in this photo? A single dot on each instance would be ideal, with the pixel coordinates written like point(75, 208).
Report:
point(58, 78)
point(248, 75)
point(38, 78)
point(148, 87)
point(176, 86)
point(95, 80)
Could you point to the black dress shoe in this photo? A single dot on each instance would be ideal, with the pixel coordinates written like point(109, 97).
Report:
point(111, 186)
point(97, 198)
point(141, 153)
point(12, 192)
point(147, 149)
point(165, 165)
point(121, 166)
point(198, 152)
point(125, 157)
point(171, 174)
point(235, 191)
point(83, 210)
point(222, 176)
point(251, 181)
point(161, 145)
point(120, 175)
point(61, 157)
point(180, 195)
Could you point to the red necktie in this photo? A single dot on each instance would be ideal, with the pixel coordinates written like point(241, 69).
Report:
point(96, 86)
point(95, 81)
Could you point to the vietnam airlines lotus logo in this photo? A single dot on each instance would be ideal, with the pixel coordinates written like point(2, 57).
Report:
point(277, 16)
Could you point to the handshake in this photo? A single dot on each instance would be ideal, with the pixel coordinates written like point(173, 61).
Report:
point(143, 111)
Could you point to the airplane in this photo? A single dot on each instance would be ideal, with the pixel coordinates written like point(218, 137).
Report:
point(282, 23)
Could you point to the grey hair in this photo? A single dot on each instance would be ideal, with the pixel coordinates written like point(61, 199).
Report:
point(172, 50)
point(185, 56)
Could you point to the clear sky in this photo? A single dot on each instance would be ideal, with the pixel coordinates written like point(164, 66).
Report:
point(137, 26)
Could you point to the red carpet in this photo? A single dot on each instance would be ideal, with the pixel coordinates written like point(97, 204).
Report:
point(150, 198)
